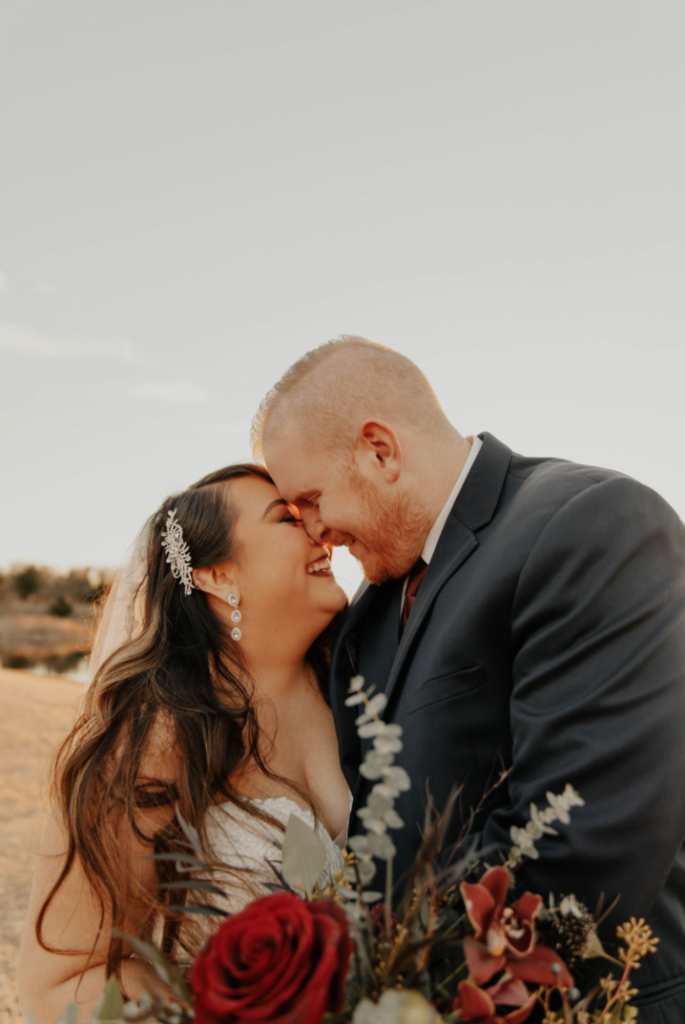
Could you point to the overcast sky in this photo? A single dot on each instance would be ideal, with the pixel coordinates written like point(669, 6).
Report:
point(194, 193)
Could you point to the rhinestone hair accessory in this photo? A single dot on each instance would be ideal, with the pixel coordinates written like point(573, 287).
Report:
point(178, 553)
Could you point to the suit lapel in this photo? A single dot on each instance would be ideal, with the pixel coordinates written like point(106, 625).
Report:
point(473, 509)
point(460, 542)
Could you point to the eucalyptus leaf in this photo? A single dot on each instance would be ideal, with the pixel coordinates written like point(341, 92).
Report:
point(111, 1002)
point(192, 863)
point(346, 892)
point(358, 844)
point(368, 729)
point(275, 887)
point(206, 911)
point(366, 870)
point(378, 804)
point(70, 1016)
point(374, 763)
point(381, 845)
point(190, 832)
point(303, 855)
point(377, 704)
point(278, 875)
point(391, 729)
point(398, 778)
point(366, 814)
point(388, 744)
point(196, 885)
point(169, 974)
point(356, 698)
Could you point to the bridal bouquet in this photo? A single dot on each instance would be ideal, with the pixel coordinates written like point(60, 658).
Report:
point(457, 948)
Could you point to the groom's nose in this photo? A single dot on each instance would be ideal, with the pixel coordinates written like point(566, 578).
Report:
point(315, 529)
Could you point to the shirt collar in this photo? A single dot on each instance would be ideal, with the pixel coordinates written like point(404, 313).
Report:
point(434, 535)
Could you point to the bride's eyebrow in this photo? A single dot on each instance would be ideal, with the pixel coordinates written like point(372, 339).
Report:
point(273, 504)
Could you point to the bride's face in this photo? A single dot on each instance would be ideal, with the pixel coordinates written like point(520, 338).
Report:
point(283, 577)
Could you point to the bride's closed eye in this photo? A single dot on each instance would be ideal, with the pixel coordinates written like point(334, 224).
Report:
point(291, 519)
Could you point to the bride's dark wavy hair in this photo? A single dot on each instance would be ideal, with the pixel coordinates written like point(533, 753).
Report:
point(183, 670)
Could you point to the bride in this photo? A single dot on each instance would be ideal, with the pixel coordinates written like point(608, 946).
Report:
point(210, 696)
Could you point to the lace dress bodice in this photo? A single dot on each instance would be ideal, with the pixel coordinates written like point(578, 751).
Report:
point(244, 842)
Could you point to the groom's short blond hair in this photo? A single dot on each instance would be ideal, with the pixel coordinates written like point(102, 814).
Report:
point(333, 389)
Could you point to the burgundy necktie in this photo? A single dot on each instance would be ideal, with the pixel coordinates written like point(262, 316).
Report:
point(416, 574)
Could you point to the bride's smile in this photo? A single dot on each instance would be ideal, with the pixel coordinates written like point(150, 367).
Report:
point(276, 572)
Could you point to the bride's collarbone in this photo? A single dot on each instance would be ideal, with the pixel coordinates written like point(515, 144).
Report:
point(316, 787)
point(299, 745)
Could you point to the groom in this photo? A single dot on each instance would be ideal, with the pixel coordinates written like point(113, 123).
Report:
point(519, 612)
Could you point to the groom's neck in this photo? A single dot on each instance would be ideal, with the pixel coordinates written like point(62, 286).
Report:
point(433, 477)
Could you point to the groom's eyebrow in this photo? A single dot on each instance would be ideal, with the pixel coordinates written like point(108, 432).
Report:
point(273, 504)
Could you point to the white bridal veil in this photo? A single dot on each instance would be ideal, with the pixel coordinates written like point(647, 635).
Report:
point(122, 617)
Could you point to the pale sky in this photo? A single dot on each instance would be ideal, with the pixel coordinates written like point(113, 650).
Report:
point(194, 193)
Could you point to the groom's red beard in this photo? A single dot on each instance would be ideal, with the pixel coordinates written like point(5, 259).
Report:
point(394, 531)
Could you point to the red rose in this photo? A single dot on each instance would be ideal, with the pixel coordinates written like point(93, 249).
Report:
point(281, 960)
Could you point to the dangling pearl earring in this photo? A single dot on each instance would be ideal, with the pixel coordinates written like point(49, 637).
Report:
point(236, 617)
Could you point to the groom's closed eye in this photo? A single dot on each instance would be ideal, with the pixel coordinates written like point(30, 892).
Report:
point(293, 516)
point(308, 498)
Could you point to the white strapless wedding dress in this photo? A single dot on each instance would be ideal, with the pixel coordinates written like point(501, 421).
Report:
point(245, 843)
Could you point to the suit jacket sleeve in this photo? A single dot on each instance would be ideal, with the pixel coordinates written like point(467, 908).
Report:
point(598, 695)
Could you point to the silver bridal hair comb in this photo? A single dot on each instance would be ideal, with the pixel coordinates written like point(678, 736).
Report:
point(178, 553)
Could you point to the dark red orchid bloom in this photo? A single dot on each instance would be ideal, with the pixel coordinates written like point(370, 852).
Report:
point(503, 929)
point(479, 1006)
point(542, 966)
point(505, 936)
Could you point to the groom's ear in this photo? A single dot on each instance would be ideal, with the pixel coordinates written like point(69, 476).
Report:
point(217, 580)
point(380, 450)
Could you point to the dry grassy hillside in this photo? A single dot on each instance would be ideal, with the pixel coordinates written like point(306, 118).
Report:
point(35, 712)
point(31, 636)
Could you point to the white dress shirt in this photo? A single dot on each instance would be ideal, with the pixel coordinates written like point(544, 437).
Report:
point(433, 537)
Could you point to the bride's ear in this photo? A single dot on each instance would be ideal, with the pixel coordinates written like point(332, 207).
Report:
point(217, 580)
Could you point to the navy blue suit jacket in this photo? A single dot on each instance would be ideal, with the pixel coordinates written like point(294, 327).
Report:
point(549, 636)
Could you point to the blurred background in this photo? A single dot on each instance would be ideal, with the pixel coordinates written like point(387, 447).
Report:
point(194, 194)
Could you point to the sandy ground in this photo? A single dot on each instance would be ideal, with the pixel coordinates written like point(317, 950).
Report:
point(35, 713)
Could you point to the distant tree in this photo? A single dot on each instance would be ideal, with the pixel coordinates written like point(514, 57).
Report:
point(19, 661)
point(80, 585)
point(61, 607)
point(28, 582)
point(64, 662)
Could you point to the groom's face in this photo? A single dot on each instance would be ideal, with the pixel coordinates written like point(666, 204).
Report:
point(339, 505)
